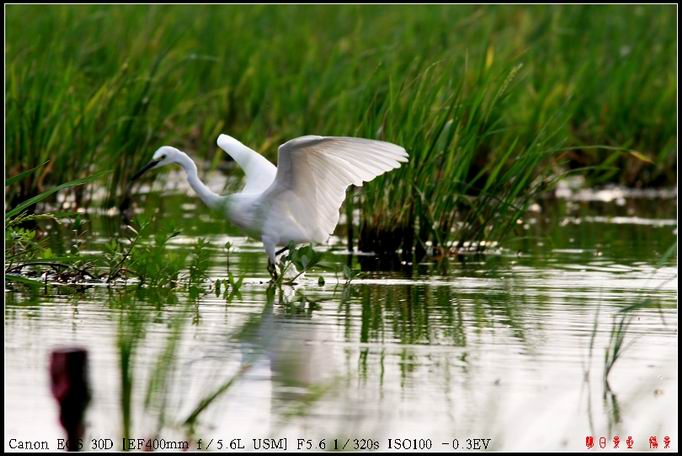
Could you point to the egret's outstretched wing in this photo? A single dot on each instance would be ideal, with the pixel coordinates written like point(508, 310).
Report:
point(313, 173)
point(260, 173)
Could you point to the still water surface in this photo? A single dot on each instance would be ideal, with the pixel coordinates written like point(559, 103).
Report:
point(492, 347)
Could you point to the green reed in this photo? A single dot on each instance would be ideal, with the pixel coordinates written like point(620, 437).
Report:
point(488, 100)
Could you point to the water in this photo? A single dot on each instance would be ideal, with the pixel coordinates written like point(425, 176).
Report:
point(433, 355)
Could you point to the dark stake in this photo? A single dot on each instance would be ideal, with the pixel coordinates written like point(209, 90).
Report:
point(68, 373)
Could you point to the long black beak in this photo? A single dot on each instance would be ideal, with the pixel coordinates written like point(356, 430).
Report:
point(146, 168)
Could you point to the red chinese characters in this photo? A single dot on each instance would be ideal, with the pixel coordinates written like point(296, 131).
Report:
point(629, 442)
point(653, 442)
point(603, 442)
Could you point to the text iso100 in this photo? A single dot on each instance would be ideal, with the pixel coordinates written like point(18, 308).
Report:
point(410, 444)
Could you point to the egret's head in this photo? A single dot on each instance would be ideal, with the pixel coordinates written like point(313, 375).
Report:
point(163, 156)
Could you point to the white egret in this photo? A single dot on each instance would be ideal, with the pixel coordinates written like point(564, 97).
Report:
point(299, 200)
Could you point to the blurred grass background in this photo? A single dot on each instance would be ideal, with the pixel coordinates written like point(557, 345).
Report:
point(490, 101)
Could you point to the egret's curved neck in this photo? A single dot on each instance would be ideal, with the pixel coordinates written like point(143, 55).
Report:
point(209, 198)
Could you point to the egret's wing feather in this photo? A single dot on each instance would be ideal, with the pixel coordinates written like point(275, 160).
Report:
point(260, 173)
point(313, 173)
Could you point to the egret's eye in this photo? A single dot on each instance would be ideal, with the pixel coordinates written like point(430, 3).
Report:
point(163, 157)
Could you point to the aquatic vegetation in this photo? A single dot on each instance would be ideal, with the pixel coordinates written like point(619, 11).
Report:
point(616, 346)
point(201, 257)
point(131, 323)
point(25, 246)
point(302, 259)
point(298, 260)
point(232, 284)
point(349, 274)
point(621, 324)
point(143, 255)
point(153, 263)
point(620, 339)
point(228, 247)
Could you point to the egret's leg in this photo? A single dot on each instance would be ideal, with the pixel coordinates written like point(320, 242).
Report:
point(272, 269)
point(272, 257)
point(282, 250)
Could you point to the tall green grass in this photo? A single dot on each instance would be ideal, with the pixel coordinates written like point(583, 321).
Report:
point(483, 97)
point(465, 183)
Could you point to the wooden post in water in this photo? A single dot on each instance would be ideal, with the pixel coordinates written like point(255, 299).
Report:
point(69, 383)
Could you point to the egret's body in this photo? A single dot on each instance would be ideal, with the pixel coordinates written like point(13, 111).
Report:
point(299, 200)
